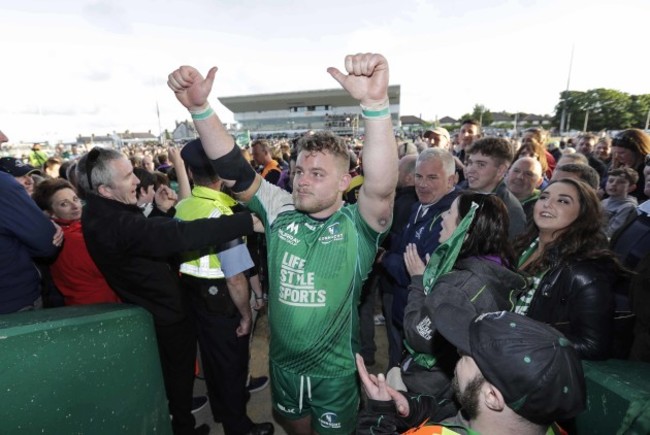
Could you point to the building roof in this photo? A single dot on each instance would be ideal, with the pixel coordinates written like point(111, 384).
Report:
point(411, 120)
point(502, 117)
point(286, 100)
point(447, 120)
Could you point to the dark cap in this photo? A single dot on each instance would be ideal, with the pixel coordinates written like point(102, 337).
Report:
point(16, 167)
point(536, 368)
point(195, 158)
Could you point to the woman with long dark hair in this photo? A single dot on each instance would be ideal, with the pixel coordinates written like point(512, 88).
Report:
point(473, 268)
point(629, 149)
point(572, 272)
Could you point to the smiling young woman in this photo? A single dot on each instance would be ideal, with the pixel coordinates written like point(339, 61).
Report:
point(572, 273)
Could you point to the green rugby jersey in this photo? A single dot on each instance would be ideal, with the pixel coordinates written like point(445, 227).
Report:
point(316, 270)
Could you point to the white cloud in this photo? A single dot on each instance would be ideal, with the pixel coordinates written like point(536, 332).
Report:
point(73, 67)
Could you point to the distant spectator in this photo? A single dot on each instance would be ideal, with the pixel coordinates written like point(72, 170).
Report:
point(577, 171)
point(619, 205)
point(555, 150)
point(629, 149)
point(586, 144)
point(37, 157)
point(438, 137)
point(572, 157)
point(270, 168)
point(136, 161)
point(603, 150)
point(147, 163)
point(51, 167)
point(406, 149)
point(164, 165)
point(470, 131)
point(533, 144)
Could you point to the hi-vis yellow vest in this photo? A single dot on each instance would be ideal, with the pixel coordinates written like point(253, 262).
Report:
point(204, 203)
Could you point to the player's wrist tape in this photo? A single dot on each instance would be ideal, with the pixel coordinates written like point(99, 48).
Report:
point(203, 113)
point(233, 166)
point(376, 111)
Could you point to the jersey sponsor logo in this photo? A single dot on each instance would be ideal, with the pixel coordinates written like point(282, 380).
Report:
point(424, 328)
point(289, 234)
point(311, 227)
point(298, 287)
point(334, 234)
point(286, 410)
point(293, 227)
point(418, 233)
point(330, 420)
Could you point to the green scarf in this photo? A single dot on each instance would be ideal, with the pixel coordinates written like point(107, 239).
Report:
point(442, 261)
point(444, 257)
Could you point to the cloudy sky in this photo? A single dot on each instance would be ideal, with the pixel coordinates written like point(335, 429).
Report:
point(73, 67)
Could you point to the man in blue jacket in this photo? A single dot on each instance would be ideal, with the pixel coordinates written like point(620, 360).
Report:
point(435, 177)
point(25, 233)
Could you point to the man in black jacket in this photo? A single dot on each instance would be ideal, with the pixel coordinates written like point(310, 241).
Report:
point(496, 381)
point(133, 253)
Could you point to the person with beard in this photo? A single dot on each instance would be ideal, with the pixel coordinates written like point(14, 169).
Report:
point(496, 382)
point(319, 250)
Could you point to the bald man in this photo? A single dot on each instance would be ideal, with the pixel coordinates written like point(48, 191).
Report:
point(524, 179)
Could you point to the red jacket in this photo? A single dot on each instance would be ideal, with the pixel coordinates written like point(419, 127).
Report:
point(75, 273)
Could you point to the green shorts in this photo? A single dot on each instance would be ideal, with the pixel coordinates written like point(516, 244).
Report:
point(332, 403)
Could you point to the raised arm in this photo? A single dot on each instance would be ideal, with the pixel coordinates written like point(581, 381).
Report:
point(184, 189)
point(192, 90)
point(367, 81)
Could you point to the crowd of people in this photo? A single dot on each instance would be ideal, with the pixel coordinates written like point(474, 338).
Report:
point(481, 248)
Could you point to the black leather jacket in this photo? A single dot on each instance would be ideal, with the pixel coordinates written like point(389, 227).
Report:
point(577, 298)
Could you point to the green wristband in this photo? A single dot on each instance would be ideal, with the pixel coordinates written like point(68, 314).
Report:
point(379, 111)
point(376, 114)
point(208, 112)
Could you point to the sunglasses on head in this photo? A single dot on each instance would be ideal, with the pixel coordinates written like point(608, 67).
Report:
point(91, 161)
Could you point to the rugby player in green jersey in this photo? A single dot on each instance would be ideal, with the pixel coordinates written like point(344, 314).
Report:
point(319, 251)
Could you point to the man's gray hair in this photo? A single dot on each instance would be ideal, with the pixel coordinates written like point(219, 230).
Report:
point(447, 159)
point(102, 172)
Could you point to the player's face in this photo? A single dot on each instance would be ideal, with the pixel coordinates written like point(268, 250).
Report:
point(319, 183)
